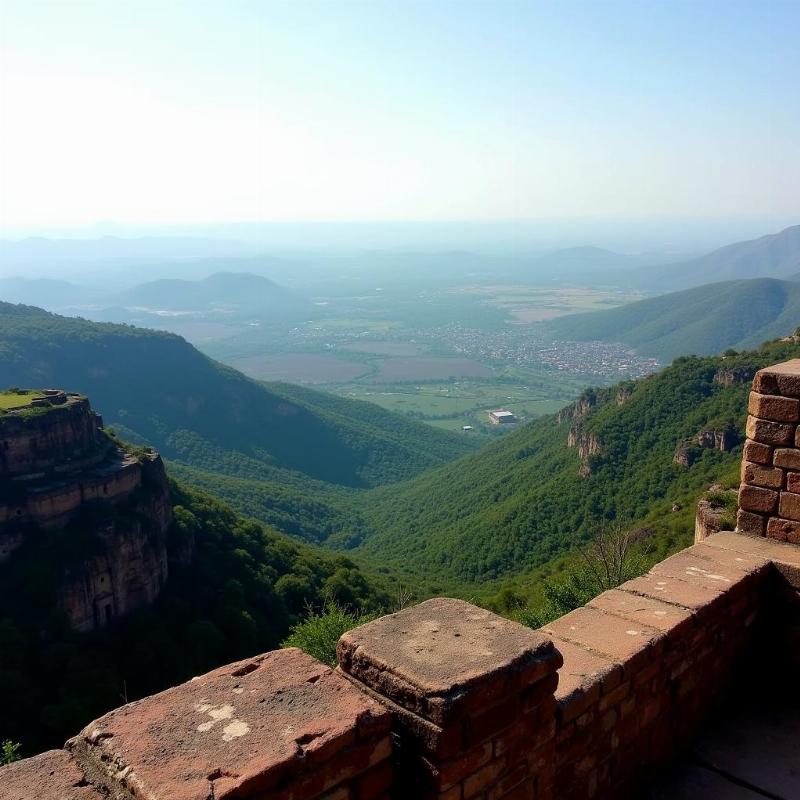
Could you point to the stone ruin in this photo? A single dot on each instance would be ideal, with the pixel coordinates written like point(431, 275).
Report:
point(447, 701)
point(56, 463)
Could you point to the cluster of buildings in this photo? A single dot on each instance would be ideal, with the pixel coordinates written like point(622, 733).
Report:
point(518, 346)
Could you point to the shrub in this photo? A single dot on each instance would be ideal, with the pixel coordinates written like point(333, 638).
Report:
point(9, 752)
point(319, 632)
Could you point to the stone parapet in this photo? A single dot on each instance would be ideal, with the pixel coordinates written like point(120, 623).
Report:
point(644, 664)
point(769, 496)
point(472, 696)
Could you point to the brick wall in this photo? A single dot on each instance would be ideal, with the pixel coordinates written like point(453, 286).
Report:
point(447, 701)
point(769, 496)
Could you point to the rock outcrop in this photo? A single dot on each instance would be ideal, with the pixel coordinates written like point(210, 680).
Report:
point(61, 475)
point(587, 444)
point(734, 376)
point(722, 438)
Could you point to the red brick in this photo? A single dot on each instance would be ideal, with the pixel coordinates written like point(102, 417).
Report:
point(754, 498)
point(765, 382)
point(779, 379)
point(768, 432)
point(493, 720)
point(784, 530)
point(374, 782)
point(749, 523)
point(790, 505)
point(787, 458)
point(757, 452)
point(452, 772)
point(773, 407)
point(761, 475)
point(793, 482)
point(483, 779)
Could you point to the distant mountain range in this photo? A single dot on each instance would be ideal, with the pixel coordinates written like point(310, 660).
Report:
point(704, 320)
point(241, 290)
point(774, 256)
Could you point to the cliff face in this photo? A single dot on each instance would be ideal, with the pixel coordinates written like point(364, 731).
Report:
point(61, 474)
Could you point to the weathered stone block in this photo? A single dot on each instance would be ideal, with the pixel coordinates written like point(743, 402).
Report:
point(774, 407)
point(784, 530)
point(781, 379)
point(750, 523)
point(444, 659)
point(761, 475)
point(50, 776)
point(754, 498)
point(790, 505)
point(768, 432)
point(758, 453)
point(257, 728)
point(787, 458)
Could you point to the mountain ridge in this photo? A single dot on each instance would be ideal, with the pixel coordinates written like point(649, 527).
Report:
point(701, 320)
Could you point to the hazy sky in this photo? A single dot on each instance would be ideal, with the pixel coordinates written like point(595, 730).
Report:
point(206, 110)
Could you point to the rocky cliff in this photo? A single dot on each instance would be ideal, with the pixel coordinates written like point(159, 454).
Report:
point(64, 481)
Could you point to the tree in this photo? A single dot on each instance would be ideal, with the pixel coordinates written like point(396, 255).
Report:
point(615, 554)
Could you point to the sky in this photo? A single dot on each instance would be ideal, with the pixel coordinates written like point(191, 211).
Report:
point(231, 110)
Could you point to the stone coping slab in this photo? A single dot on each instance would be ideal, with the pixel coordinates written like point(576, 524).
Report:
point(783, 557)
point(245, 729)
point(50, 776)
point(442, 657)
point(644, 610)
point(620, 640)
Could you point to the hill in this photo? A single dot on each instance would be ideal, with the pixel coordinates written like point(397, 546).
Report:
point(47, 292)
point(223, 290)
point(703, 320)
point(534, 494)
point(155, 388)
point(774, 256)
point(585, 261)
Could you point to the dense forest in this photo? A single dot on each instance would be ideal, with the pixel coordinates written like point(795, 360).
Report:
point(523, 500)
point(245, 588)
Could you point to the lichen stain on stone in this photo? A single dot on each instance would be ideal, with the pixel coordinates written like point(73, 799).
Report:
point(706, 574)
point(217, 714)
point(234, 730)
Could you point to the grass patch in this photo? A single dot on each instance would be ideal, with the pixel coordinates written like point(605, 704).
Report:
point(18, 398)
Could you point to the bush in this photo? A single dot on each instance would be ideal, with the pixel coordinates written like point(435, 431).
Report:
point(319, 632)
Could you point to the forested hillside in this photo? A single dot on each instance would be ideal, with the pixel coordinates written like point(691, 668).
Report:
point(244, 588)
point(701, 321)
point(531, 496)
point(156, 388)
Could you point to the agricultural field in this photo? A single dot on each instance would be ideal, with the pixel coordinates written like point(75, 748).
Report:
point(524, 305)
